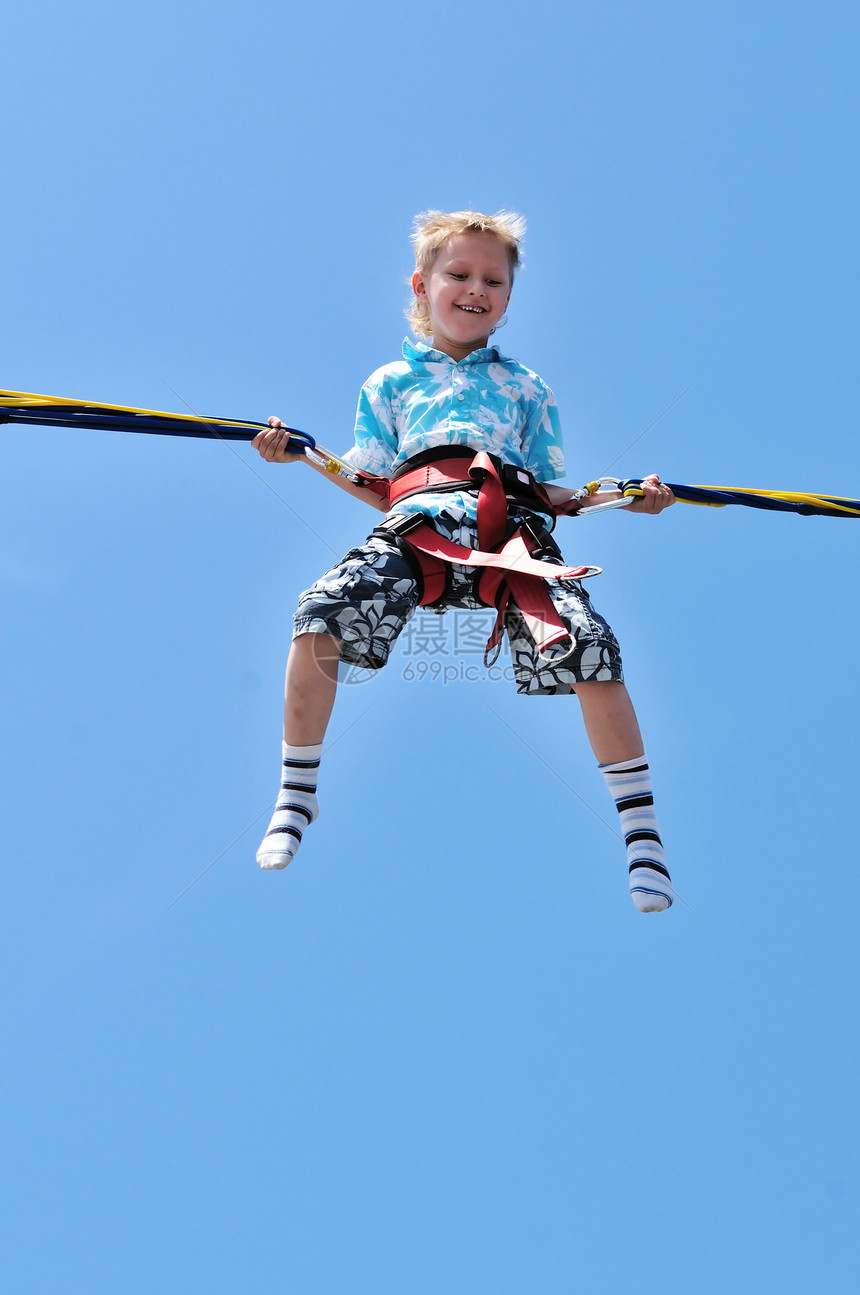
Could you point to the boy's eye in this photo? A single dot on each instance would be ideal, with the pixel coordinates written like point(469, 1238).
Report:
point(494, 283)
point(456, 275)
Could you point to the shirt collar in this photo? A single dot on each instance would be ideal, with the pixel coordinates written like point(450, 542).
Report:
point(423, 354)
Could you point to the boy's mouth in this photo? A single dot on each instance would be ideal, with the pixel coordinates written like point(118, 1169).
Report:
point(473, 310)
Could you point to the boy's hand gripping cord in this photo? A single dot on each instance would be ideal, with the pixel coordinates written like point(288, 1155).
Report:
point(807, 504)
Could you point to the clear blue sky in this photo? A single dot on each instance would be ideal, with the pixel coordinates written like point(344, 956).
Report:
point(442, 1053)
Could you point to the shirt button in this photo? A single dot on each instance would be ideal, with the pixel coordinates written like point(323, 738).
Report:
point(461, 396)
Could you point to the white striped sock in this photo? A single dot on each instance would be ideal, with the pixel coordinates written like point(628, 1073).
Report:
point(297, 806)
point(629, 784)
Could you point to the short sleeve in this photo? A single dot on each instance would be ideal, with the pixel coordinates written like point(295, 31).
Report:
point(543, 444)
point(375, 434)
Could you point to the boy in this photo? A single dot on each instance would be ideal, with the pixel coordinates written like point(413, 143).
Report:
point(460, 396)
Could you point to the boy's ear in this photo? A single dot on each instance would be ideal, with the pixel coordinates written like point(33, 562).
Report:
point(418, 284)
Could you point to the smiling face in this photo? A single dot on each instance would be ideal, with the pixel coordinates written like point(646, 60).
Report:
point(467, 290)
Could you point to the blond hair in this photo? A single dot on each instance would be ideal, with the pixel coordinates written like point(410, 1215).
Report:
point(431, 231)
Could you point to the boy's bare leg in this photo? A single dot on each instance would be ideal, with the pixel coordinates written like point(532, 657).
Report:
point(310, 688)
point(613, 731)
point(610, 721)
point(309, 695)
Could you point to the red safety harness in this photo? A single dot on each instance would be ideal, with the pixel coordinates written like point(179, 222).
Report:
point(509, 572)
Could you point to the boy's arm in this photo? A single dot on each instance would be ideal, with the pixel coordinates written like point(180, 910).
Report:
point(655, 498)
point(272, 445)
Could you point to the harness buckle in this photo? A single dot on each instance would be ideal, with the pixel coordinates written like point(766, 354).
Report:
point(400, 524)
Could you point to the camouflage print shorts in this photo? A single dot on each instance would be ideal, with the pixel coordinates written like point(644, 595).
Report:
point(368, 597)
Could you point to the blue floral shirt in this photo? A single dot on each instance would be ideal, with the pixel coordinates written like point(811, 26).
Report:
point(486, 401)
